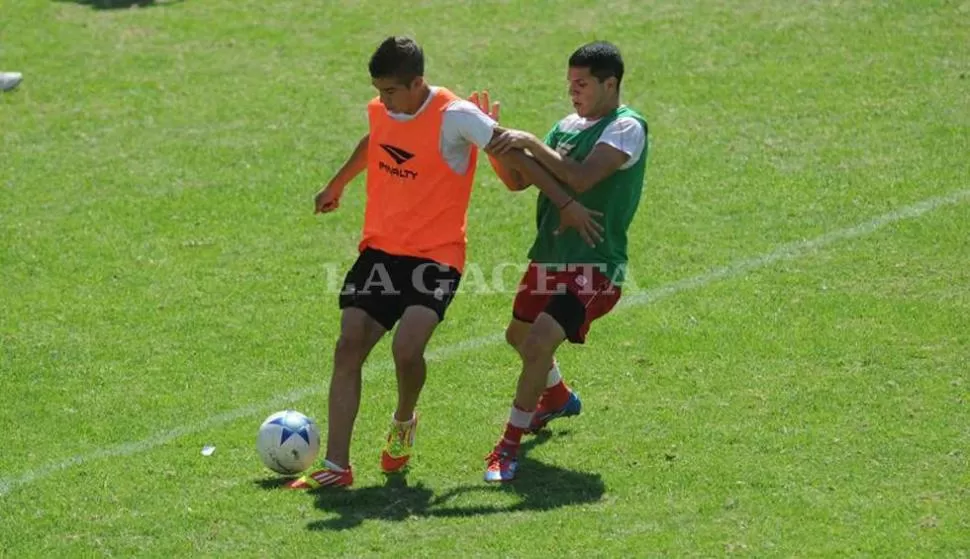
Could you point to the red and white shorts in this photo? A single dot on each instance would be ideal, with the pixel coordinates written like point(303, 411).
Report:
point(574, 297)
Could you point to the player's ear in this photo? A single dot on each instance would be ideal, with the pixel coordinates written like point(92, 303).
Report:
point(416, 83)
point(611, 83)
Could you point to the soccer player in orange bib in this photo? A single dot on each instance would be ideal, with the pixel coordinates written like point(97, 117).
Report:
point(419, 156)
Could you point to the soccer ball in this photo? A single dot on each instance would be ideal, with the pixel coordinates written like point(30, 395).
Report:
point(288, 442)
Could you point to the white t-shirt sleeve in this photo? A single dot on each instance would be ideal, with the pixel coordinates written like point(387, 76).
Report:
point(464, 120)
point(627, 135)
point(463, 127)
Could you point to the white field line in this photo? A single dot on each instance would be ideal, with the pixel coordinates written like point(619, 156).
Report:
point(797, 249)
point(785, 252)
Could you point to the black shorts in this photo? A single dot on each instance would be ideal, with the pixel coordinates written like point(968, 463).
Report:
point(383, 285)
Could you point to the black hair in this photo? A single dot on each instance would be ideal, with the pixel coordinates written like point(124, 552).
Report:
point(602, 58)
point(397, 57)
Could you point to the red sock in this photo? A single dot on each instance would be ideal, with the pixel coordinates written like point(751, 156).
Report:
point(556, 396)
point(512, 437)
point(519, 420)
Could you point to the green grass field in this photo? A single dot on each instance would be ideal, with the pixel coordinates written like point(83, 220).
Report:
point(788, 375)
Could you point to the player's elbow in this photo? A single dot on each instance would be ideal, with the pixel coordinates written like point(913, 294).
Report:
point(509, 170)
point(516, 185)
point(574, 175)
point(514, 180)
point(579, 181)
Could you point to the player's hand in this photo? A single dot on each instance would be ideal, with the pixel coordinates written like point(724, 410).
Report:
point(576, 216)
point(510, 139)
point(483, 103)
point(327, 200)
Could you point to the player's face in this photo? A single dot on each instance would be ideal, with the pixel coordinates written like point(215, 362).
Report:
point(396, 97)
point(588, 94)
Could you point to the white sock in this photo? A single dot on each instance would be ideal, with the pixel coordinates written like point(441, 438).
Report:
point(331, 466)
point(554, 377)
point(520, 418)
point(403, 424)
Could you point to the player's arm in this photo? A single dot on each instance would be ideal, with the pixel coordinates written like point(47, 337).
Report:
point(572, 214)
point(355, 164)
point(604, 160)
point(466, 120)
point(511, 178)
point(527, 171)
point(328, 199)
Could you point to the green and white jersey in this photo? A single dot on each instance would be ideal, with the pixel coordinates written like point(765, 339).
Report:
point(617, 196)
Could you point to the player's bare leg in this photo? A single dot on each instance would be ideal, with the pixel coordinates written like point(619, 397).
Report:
point(537, 350)
point(516, 332)
point(410, 341)
point(557, 399)
point(359, 333)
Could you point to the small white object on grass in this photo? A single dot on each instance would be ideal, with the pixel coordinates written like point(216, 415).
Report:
point(208, 449)
point(10, 80)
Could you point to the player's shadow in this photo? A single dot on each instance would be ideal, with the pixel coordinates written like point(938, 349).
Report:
point(538, 487)
point(120, 4)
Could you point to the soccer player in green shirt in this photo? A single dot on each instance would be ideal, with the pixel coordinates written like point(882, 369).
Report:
point(599, 153)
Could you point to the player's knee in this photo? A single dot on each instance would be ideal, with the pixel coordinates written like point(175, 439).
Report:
point(350, 348)
point(537, 346)
point(407, 355)
point(513, 336)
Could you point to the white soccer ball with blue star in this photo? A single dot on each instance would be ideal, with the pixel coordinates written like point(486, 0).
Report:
point(288, 442)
